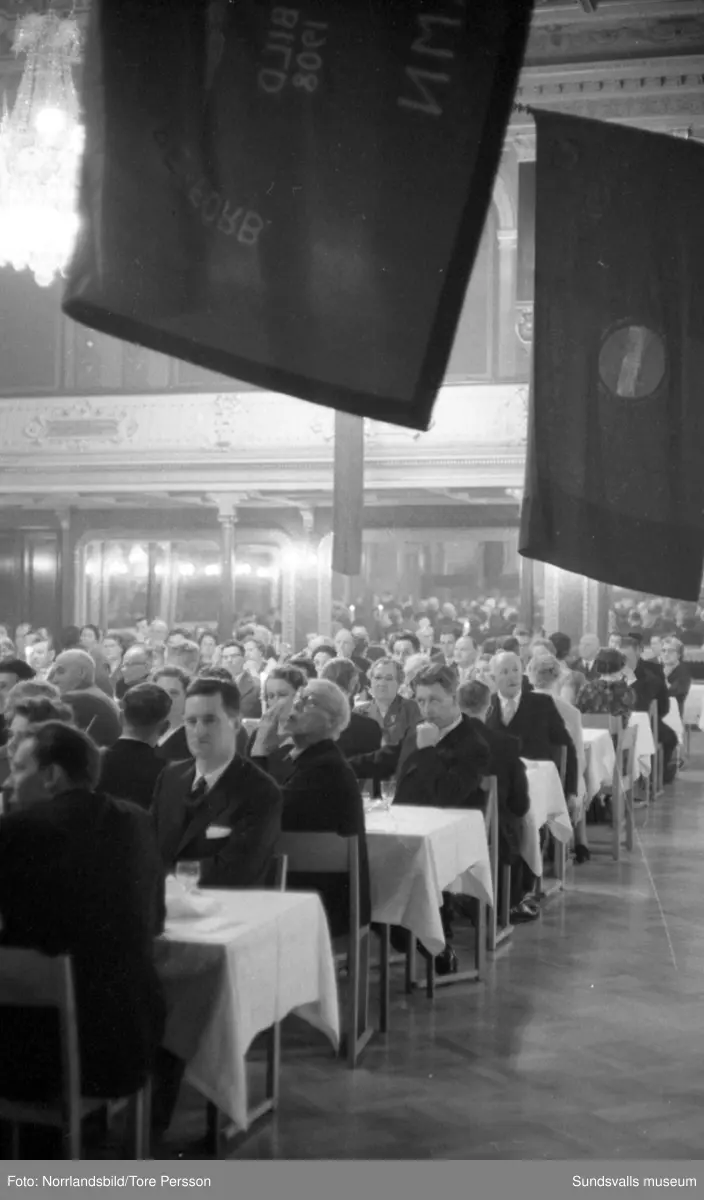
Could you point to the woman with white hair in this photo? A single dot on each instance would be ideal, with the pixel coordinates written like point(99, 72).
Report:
point(320, 789)
point(414, 666)
point(545, 673)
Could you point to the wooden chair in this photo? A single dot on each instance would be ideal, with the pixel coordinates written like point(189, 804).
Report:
point(560, 850)
point(624, 789)
point(32, 980)
point(657, 775)
point(499, 927)
point(275, 880)
point(330, 854)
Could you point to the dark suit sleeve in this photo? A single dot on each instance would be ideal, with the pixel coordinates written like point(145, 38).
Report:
point(380, 764)
point(679, 682)
point(252, 842)
point(560, 737)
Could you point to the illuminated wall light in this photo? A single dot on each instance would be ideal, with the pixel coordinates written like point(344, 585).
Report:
point(266, 572)
point(43, 564)
point(299, 556)
point(186, 570)
point(92, 568)
point(243, 568)
point(159, 570)
point(138, 557)
point(213, 570)
point(115, 566)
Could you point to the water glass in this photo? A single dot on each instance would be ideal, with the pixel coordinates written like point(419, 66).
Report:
point(388, 793)
point(188, 874)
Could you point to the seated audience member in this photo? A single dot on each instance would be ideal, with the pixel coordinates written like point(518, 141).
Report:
point(347, 646)
point(448, 642)
point(220, 809)
point(540, 646)
point(90, 636)
point(413, 666)
point(512, 787)
point(649, 684)
point(207, 645)
point(242, 742)
point(40, 655)
point(524, 639)
point(172, 746)
point(465, 657)
point(114, 648)
point(12, 672)
point(320, 791)
point(322, 653)
point(652, 652)
point(677, 675)
point(614, 642)
point(305, 664)
point(231, 657)
point(73, 673)
point(608, 692)
point(131, 768)
point(80, 875)
point(186, 656)
point(510, 644)
point(362, 735)
point(102, 671)
point(21, 712)
point(589, 647)
point(483, 672)
point(403, 645)
point(440, 762)
point(534, 720)
point(546, 677)
point(280, 689)
point(138, 662)
point(394, 714)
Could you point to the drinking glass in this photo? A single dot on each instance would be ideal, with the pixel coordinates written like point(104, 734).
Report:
point(188, 874)
point(388, 793)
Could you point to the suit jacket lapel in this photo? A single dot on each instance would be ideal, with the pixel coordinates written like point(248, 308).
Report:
point(215, 801)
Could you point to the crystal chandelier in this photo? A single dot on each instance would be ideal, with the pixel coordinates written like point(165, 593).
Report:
point(41, 143)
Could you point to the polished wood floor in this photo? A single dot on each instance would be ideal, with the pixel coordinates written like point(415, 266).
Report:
point(583, 1042)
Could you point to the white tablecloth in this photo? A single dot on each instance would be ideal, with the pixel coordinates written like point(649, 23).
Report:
point(645, 746)
point(601, 760)
point(416, 854)
point(229, 975)
point(547, 807)
point(694, 706)
point(674, 720)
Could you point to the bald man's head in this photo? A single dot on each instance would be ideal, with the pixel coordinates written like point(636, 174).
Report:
point(73, 671)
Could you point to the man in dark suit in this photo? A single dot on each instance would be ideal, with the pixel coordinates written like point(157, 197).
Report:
point(440, 763)
point(131, 768)
point(589, 647)
point(649, 684)
point(531, 718)
point(80, 875)
point(512, 787)
point(172, 746)
point(232, 658)
point(320, 791)
point(219, 809)
point(362, 735)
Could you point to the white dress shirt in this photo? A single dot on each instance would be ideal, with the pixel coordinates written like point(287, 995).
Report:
point(505, 702)
point(211, 777)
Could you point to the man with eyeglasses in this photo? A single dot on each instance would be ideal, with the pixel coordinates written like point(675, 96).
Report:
point(321, 793)
point(136, 667)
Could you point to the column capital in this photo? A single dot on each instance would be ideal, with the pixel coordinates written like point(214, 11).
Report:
point(226, 505)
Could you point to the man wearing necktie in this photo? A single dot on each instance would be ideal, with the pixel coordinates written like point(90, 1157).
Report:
point(218, 808)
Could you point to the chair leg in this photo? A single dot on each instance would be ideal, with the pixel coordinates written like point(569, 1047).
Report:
point(384, 978)
point(480, 938)
point(560, 861)
point(430, 976)
point(617, 817)
point(352, 1023)
point(410, 964)
point(72, 1137)
point(629, 819)
point(273, 1064)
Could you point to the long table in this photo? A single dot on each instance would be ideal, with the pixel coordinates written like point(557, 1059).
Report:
point(237, 964)
point(547, 807)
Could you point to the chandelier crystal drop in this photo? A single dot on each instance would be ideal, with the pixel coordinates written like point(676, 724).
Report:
point(41, 145)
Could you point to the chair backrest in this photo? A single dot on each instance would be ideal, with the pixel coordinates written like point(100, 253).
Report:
point(326, 854)
point(277, 873)
point(29, 979)
point(601, 721)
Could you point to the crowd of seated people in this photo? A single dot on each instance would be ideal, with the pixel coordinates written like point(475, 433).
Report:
point(138, 737)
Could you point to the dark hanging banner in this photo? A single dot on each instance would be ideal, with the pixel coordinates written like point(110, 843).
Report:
point(348, 495)
point(615, 473)
point(293, 194)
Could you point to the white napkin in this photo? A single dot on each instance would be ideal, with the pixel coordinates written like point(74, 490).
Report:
point(182, 905)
